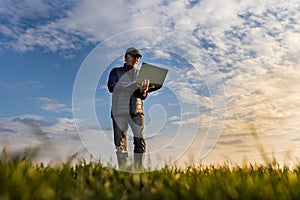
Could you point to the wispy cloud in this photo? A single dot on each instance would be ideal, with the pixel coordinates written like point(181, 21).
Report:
point(220, 24)
point(53, 105)
point(16, 85)
point(34, 24)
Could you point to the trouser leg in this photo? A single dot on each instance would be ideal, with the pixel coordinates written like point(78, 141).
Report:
point(137, 125)
point(122, 158)
point(120, 127)
point(139, 160)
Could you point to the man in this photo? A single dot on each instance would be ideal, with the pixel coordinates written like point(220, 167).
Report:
point(127, 107)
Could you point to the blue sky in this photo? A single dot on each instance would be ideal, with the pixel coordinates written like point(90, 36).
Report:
point(231, 63)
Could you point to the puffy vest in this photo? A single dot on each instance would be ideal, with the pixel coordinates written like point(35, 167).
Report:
point(126, 100)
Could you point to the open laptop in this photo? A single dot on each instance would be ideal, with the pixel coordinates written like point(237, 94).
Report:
point(155, 74)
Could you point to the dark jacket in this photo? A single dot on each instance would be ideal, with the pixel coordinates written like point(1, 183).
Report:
point(127, 98)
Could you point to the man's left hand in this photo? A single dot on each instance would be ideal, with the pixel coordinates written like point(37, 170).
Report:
point(144, 87)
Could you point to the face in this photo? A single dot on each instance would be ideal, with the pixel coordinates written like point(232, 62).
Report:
point(132, 60)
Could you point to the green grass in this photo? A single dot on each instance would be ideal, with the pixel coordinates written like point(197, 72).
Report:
point(22, 179)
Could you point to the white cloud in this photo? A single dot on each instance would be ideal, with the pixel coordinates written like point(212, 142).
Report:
point(62, 126)
point(293, 42)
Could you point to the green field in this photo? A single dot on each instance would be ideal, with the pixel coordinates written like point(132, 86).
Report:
point(22, 179)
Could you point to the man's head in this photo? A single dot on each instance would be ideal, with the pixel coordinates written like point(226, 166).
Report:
point(132, 56)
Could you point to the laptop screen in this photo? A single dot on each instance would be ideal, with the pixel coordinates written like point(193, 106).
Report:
point(155, 74)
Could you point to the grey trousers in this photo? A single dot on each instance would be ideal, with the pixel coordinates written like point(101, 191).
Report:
point(120, 126)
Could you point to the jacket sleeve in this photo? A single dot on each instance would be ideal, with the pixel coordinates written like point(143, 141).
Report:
point(138, 94)
point(112, 80)
point(143, 95)
point(113, 85)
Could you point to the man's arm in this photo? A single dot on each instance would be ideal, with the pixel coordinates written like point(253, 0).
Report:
point(113, 84)
point(112, 80)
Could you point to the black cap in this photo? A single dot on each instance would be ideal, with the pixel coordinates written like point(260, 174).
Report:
point(133, 52)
